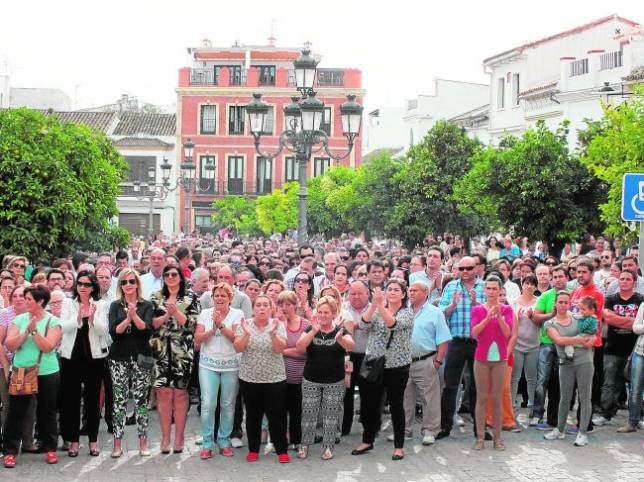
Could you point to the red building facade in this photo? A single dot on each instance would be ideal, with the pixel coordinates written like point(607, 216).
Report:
point(211, 100)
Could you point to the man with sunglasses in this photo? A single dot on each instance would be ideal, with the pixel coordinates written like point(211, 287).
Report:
point(456, 303)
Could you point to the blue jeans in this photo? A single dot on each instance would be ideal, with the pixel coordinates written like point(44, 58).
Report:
point(613, 384)
point(548, 362)
point(637, 385)
point(210, 382)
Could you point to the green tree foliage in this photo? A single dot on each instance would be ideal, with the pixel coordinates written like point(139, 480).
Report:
point(59, 186)
point(325, 212)
point(425, 184)
point(615, 146)
point(276, 212)
point(236, 213)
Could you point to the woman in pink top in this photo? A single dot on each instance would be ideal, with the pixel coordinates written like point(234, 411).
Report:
point(492, 328)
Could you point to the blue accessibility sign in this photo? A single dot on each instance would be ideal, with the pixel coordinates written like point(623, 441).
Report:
point(633, 197)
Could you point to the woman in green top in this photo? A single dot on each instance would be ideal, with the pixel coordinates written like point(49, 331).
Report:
point(31, 334)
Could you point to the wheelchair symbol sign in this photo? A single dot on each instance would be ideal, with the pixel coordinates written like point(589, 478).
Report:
point(633, 197)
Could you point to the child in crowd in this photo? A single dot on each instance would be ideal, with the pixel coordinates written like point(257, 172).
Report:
point(586, 322)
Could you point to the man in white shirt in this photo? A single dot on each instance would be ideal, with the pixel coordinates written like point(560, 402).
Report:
point(152, 281)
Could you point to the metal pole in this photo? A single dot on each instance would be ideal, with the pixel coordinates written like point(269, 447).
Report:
point(641, 247)
point(188, 200)
point(151, 217)
point(302, 236)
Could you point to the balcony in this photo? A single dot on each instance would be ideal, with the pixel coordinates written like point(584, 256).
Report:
point(611, 60)
point(202, 77)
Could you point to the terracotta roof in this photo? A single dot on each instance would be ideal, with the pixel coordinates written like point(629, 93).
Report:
point(539, 88)
point(636, 74)
point(140, 142)
point(564, 34)
point(96, 120)
point(131, 123)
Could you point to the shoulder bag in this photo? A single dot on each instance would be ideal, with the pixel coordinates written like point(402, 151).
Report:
point(372, 371)
point(24, 381)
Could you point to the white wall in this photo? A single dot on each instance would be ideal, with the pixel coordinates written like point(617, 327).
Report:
point(385, 130)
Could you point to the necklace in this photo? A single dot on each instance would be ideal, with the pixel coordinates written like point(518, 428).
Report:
point(325, 335)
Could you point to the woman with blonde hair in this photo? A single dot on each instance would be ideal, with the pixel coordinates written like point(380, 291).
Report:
point(323, 382)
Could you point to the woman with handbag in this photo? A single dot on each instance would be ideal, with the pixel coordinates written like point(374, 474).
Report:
point(33, 338)
point(82, 351)
point(130, 357)
point(388, 322)
point(176, 310)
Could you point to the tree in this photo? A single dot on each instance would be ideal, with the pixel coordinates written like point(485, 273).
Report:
point(324, 212)
point(59, 187)
point(425, 184)
point(615, 146)
point(276, 212)
point(235, 212)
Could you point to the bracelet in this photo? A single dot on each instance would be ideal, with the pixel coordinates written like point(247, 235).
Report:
point(363, 320)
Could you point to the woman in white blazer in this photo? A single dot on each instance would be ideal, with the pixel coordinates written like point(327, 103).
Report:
point(83, 349)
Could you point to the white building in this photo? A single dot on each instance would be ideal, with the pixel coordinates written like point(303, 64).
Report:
point(559, 77)
point(384, 128)
point(34, 98)
point(450, 98)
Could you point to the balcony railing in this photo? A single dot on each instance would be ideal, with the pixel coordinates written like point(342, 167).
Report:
point(202, 77)
point(611, 60)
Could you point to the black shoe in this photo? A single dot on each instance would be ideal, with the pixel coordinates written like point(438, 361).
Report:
point(363, 451)
point(131, 420)
point(442, 434)
point(337, 440)
point(488, 436)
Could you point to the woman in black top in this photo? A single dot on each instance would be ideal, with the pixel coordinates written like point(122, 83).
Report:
point(130, 358)
point(323, 382)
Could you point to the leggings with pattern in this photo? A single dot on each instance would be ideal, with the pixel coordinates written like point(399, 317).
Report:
point(124, 373)
point(328, 397)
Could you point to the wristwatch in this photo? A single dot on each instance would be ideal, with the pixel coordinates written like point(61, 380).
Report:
point(33, 332)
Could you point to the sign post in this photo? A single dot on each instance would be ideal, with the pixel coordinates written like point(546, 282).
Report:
point(633, 205)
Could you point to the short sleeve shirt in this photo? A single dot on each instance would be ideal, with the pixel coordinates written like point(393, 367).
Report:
point(259, 362)
point(27, 355)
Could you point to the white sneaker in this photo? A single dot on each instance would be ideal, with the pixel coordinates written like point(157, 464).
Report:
point(640, 424)
point(269, 448)
point(458, 421)
point(555, 435)
point(534, 421)
point(600, 421)
point(428, 439)
point(390, 437)
point(581, 440)
point(236, 442)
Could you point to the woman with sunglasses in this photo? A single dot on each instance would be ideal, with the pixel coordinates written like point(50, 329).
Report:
point(130, 357)
point(388, 323)
point(305, 290)
point(83, 349)
point(294, 360)
point(33, 335)
point(176, 311)
point(262, 377)
point(17, 266)
point(264, 264)
point(341, 280)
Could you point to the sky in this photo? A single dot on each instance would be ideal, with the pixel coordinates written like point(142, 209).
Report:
point(96, 51)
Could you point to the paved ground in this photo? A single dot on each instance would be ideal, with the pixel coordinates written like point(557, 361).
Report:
point(609, 456)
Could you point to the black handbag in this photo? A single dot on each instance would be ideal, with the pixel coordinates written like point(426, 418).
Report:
point(372, 371)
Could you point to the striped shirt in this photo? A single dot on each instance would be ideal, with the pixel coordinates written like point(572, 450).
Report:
point(295, 364)
point(460, 319)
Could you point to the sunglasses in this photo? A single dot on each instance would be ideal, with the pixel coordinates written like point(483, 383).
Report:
point(301, 280)
point(466, 268)
point(171, 274)
point(89, 285)
point(264, 264)
point(605, 257)
point(128, 282)
point(21, 266)
point(345, 258)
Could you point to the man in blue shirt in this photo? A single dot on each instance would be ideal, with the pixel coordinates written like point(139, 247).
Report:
point(428, 348)
point(510, 251)
point(458, 298)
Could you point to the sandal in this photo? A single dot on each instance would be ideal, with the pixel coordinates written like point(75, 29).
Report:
point(479, 445)
point(327, 454)
point(302, 452)
point(499, 445)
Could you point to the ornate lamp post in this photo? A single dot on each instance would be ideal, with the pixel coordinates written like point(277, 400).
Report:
point(303, 135)
point(151, 190)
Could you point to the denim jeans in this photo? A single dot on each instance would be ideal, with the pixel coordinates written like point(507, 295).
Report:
point(613, 384)
point(637, 386)
point(547, 365)
point(211, 382)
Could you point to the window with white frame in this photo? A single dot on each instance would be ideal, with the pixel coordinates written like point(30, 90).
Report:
point(500, 93)
point(515, 89)
point(291, 170)
point(321, 165)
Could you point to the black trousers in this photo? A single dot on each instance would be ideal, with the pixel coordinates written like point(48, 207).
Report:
point(74, 375)
point(460, 352)
point(48, 386)
point(394, 383)
point(294, 412)
point(268, 399)
point(108, 393)
point(349, 395)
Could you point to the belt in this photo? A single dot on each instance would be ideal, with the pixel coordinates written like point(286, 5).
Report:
point(463, 339)
point(422, 357)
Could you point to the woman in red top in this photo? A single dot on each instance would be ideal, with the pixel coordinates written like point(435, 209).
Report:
point(492, 328)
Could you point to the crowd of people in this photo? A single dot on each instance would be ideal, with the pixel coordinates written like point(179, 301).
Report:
point(272, 341)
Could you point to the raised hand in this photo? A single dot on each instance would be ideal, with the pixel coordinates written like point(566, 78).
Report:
point(245, 327)
point(131, 311)
point(378, 296)
point(315, 323)
point(217, 318)
point(472, 294)
point(272, 327)
point(456, 298)
point(339, 335)
point(92, 311)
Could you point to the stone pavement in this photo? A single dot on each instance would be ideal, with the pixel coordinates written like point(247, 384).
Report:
point(609, 456)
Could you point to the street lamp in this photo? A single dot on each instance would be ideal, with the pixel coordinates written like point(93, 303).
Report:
point(151, 190)
point(188, 179)
point(303, 136)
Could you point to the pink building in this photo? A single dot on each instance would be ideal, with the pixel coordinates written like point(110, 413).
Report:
point(211, 100)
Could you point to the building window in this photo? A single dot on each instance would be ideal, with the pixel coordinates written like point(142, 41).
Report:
point(235, 74)
point(515, 89)
point(611, 60)
point(208, 119)
point(139, 167)
point(235, 175)
point(210, 183)
point(500, 93)
point(266, 74)
point(578, 67)
point(320, 165)
point(204, 223)
point(236, 116)
point(330, 77)
point(325, 125)
point(411, 137)
point(291, 170)
point(270, 121)
point(264, 176)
